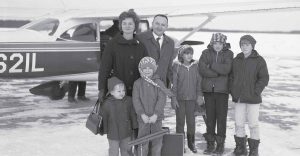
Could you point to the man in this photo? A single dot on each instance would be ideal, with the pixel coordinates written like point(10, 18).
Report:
point(160, 46)
point(85, 32)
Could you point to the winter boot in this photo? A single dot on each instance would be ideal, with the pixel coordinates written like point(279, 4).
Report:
point(253, 145)
point(240, 146)
point(220, 145)
point(210, 140)
point(191, 142)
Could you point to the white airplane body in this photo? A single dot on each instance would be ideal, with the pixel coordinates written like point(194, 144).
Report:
point(38, 52)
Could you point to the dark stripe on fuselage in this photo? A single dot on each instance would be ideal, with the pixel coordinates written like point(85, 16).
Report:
point(34, 60)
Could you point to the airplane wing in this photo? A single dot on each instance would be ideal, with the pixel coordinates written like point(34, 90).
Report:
point(31, 60)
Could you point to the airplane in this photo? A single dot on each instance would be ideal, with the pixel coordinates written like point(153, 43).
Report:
point(45, 49)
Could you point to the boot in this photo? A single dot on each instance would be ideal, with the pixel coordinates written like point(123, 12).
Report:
point(240, 146)
point(253, 145)
point(220, 145)
point(191, 142)
point(210, 140)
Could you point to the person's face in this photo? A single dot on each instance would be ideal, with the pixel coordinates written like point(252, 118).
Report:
point(159, 25)
point(187, 57)
point(148, 72)
point(246, 47)
point(128, 26)
point(218, 46)
point(118, 92)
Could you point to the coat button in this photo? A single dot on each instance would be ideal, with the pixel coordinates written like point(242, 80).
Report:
point(131, 57)
point(131, 72)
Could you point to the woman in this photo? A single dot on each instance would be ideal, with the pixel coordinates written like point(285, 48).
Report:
point(122, 55)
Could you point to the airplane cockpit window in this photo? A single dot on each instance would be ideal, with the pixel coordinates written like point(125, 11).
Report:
point(47, 26)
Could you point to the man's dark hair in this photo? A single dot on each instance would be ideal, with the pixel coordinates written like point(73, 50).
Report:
point(161, 15)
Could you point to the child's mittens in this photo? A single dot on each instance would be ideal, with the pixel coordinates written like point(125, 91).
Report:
point(200, 100)
point(174, 103)
point(145, 118)
point(153, 118)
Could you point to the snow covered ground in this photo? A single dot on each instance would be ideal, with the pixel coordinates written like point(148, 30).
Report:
point(36, 126)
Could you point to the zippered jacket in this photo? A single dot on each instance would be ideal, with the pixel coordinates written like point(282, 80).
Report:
point(248, 78)
point(214, 68)
point(186, 81)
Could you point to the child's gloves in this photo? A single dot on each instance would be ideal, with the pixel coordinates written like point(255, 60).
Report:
point(200, 100)
point(174, 103)
point(145, 118)
point(153, 118)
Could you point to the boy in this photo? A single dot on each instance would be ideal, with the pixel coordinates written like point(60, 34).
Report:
point(187, 88)
point(119, 118)
point(215, 66)
point(149, 101)
point(249, 77)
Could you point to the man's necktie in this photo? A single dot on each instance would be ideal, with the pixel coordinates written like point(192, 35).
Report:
point(157, 40)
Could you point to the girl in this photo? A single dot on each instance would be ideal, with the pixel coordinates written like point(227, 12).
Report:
point(187, 88)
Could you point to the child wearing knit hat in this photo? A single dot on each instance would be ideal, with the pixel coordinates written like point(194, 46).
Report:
point(248, 79)
point(119, 118)
point(187, 88)
point(149, 99)
point(214, 67)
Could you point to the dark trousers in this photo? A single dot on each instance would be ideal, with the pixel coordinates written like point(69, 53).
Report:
point(186, 110)
point(73, 86)
point(216, 111)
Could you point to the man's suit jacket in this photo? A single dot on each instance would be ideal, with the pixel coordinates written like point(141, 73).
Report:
point(163, 56)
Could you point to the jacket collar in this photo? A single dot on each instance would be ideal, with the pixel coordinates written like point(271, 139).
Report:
point(149, 36)
point(253, 54)
point(181, 64)
point(120, 39)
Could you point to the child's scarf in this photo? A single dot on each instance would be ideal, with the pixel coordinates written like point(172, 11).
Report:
point(160, 85)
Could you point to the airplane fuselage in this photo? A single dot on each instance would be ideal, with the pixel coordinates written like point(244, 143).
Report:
point(50, 60)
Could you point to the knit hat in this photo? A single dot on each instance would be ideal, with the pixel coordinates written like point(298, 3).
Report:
point(147, 62)
point(112, 82)
point(182, 49)
point(218, 37)
point(248, 38)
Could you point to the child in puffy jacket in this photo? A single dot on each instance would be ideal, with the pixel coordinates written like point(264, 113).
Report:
point(187, 89)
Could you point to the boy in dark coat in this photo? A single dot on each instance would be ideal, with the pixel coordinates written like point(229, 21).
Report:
point(119, 118)
point(249, 77)
point(215, 66)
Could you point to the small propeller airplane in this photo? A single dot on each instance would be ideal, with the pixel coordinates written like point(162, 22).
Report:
point(47, 49)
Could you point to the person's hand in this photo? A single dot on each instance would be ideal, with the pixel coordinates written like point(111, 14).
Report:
point(200, 100)
point(145, 118)
point(101, 95)
point(153, 118)
point(174, 103)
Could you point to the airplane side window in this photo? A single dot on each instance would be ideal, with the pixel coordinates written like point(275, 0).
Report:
point(47, 26)
point(85, 32)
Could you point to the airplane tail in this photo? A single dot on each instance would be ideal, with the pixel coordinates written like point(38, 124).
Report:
point(55, 90)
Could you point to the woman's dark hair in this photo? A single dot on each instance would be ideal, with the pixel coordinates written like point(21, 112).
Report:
point(129, 14)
